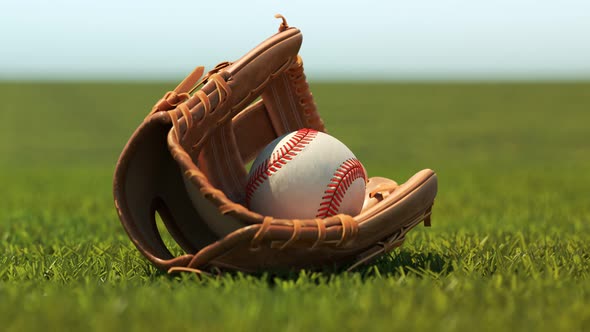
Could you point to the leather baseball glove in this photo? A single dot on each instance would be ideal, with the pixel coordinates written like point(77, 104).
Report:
point(186, 163)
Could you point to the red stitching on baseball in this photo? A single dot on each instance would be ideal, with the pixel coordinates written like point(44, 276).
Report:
point(345, 175)
point(279, 158)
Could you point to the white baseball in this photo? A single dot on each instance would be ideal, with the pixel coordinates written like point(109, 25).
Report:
point(306, 174)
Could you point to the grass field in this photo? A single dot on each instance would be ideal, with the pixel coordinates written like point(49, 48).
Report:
point(509, 248)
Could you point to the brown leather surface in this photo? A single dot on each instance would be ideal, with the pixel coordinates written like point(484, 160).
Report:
point(186, 160)
point(147, 178)
point(253, 130)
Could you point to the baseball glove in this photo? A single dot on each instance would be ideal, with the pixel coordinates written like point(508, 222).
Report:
point(186, 162)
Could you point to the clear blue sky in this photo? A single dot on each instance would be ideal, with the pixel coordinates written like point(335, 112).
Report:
point(397, 40)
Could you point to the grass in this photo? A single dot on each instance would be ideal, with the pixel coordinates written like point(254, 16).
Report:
point(509, 248)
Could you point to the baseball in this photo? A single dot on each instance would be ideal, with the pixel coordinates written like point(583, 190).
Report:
point(306, 174)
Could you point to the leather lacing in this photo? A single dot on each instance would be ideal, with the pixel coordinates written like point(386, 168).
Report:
point(304, 96)
point(382, 190)
point(349, 232)
point(223, 91)
point(174, 103)
point(284, 26)
point(198, 272)
point(180, 94)
point(170, 100)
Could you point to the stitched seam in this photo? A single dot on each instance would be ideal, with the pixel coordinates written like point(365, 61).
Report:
point(305, 99)
point(278, 159)
point(349, 171)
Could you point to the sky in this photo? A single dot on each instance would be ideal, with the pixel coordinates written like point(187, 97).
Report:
point(370, 39)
